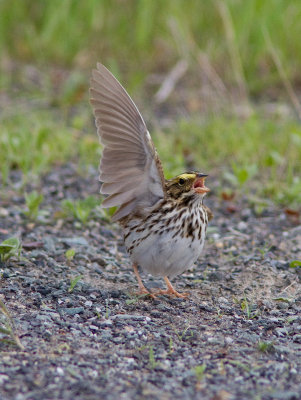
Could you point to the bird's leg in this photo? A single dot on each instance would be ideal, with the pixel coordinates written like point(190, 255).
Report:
point(171, 291)
point(142, 288)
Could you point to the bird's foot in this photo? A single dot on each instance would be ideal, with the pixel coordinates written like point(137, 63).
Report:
point(173, 293)
point(142, 289)
point(144, 292)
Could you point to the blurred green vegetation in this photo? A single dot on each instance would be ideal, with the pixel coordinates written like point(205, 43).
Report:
point(33, 144)
point(154, 34)
point(267, 151)
point(252, 51)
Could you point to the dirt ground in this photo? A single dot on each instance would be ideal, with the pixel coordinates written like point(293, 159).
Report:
point(238, 335)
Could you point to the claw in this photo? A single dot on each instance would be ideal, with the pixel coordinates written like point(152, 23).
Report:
point(145, 292)
point(171, 291)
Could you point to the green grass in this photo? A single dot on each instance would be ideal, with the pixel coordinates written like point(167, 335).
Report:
point(74, 282)
point(80, 209)
point(266, 151)
point(33, 201)
point(9, 248)
point(265, 347)
point(199, 371)
point(154, 34)
point(257, 155)
point(35, 141)
point(8, 333)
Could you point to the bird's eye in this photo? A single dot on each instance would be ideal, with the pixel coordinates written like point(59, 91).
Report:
point(181, 181)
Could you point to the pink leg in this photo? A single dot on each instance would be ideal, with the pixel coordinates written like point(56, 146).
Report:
point(171, 291)
point(142, 288)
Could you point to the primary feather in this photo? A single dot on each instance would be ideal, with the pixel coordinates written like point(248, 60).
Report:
point(130, 168)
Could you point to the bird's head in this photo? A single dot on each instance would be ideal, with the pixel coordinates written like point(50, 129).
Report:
point(189, 184)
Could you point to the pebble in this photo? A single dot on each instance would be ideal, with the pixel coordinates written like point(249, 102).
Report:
point(130, 316)
point(106, 322)
point(73, 310)
point(106, 335)
point(223, 300)
point(3, 378)
point(42, 317)
point(228, 340)
point(93, 327)
point(213, 340)
point(242, 226)
point(3, 212)
point(74, 241)
point(215, 276)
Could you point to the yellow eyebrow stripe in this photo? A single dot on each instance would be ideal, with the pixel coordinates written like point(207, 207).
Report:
point(187, 176)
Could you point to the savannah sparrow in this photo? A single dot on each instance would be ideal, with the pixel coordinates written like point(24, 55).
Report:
point(164, 221)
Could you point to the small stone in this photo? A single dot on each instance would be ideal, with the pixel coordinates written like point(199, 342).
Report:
point(99, 260)
point(106, 335)
point(129, 316)
point(43, 317)
point(223, 300)
point(3, 378)
point(283, 305)
point(93, 328)
point(107, 322)
point(246, 213)
point(286, 395)
point(228, 340)
point(43, 290)
point(80, 241)
point(20, 396)
point(49, 245)
point(155, 314)
point(215, 276)
point(3, 212)
point(115, 294)
point(73, 310)
point(118, 340)
point(297, 338)
point(213, 340)
point(242, 226)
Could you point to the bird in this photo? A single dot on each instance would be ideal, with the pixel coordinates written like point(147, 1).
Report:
point(164, 221)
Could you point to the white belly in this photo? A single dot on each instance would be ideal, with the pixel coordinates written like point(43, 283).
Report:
point(167, 251)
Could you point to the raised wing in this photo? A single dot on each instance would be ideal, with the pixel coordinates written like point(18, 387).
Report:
point(130, 168)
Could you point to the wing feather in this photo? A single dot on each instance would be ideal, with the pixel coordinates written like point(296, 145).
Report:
point(117, 199)
point(125, 176)
point(130, 168)
point(117, 109)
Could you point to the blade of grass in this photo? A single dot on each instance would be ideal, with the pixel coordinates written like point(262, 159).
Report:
point(283, 75)
point(10, 328)
point(233, 49)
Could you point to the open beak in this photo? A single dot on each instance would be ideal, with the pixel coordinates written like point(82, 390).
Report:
point(199, 184)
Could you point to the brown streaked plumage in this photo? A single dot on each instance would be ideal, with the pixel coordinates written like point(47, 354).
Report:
point(164, 221)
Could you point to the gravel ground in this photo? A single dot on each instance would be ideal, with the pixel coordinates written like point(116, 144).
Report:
point(238, 336)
